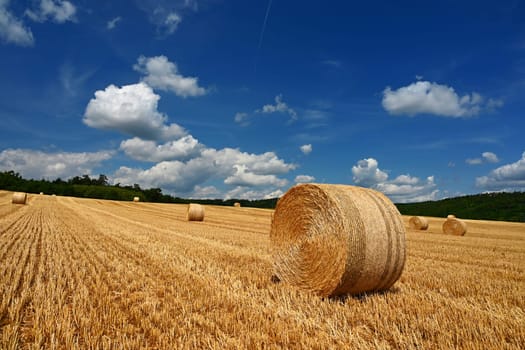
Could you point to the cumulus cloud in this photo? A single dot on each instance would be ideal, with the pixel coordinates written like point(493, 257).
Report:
point(486, 157)
point(304, 178)
point(424, 97)
point(306, 149)
point(38, 164)
point(402, 189)
point(279, 107)
point(247, 193)
point(12, 30)
point(131, 109)
point(509, 177)
point(58, 11)
point(233, 167)
point(146, 150)
point(113, 23)
point(162, 74)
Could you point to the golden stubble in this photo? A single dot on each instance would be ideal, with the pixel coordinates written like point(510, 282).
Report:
point(81, 274)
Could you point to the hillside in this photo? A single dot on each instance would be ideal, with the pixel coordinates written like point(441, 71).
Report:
point(502, 206)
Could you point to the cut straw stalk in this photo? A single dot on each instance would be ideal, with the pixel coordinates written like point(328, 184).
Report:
point(337, 239)
point(19, 198)
point(195, 212)
point(418, 223)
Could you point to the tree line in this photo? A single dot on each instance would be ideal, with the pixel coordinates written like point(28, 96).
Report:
point(100, 188)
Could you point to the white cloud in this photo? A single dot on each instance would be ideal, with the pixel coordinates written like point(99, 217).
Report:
point(12, 30)
point(246, 193)
point(404, 188)
point(38, 164)
point(243, 177)
point(113, 23)
point(171, 22)
point(486, 157)
point(509, 177)
point(184, 148)
point(163, 74)
point(306, 149)
point(131, 109)
point(241, 118)
point(304, 178)
point(231, 166)
point(367, 174)
point(424, 97)
point(279, 107)
point(58, 11)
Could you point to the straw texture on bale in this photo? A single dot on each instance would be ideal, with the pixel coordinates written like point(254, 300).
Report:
point(19, 198)
point(454, 226)
point(237, 204)
point(418, 223)
point(337, 239)
point(136, 199)
point(195, 212)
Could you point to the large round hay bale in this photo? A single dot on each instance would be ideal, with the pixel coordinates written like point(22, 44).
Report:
point(195, 212)
point(454, 226)
point(451, 216)
point(337, 239)
point(136, 199)
point(237, 204)
point(19, 198)
point(418, 223)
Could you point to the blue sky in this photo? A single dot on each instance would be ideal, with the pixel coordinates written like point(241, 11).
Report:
point(242, 99)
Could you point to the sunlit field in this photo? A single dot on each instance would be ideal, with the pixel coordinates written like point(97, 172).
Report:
point(94, 274)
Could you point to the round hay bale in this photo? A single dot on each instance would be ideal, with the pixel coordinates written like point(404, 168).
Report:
point(41, 193)
point(337, 239)
point(418, 223)
point(454, 226)
point(19, 198)
point(195, 212)
point(136, 199)
point(237, 204)
point(450, 216)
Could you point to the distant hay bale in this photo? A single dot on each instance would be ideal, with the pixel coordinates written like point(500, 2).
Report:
point(19, 198)
point(195, 212)
point(136, 199)
point(450, 216)
point(418, 223)
point(337, 239)
point(41, 193)
point(453, 226)
point(237, 204)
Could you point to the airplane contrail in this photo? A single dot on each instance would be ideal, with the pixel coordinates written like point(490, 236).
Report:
point(264, 23)
point(261, 37)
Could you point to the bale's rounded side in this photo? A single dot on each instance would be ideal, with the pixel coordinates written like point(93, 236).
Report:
point(237, 204)
point(418, 223)
point(454, 226)
point(136, 199)
point(195, 212)
point(337, 239)
point(450, 216)
point(19, 198)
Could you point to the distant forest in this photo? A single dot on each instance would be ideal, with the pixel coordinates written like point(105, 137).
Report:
point(502, 206)
point(87, 187)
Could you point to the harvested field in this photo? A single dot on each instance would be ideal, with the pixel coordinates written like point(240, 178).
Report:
point(83, 273)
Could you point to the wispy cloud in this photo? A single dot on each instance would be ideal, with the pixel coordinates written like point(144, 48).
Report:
point(12, 30)
point(486, 157)
point(113, 23)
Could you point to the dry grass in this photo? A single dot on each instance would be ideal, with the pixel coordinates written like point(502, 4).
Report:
point(81, 274)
